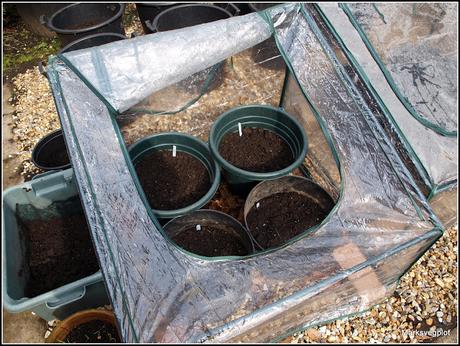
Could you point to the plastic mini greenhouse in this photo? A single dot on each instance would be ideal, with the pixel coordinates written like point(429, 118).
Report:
point(111, 95)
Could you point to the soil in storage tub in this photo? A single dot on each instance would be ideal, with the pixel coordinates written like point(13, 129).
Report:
point(282, 216)
point(93, 332)
point(211, 241)
point(59, 251)
point(172, 182)
point(257, 150)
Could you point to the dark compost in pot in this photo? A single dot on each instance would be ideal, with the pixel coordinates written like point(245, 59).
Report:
point(210, 233)
point(172, 182)
point(257, 150)
point(278, 210)
point(95, 331)
point(176, 173)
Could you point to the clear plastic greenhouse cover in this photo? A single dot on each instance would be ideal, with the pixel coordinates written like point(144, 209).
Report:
point(408, 52)
point(421, 62)
point(380, 225)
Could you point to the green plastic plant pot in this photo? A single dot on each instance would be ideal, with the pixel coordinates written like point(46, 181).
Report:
point(184, 143)
point(300, 185)
point(259, 116)
point(212, 218)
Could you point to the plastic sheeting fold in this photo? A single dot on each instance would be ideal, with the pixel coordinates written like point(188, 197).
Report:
point(126, 73)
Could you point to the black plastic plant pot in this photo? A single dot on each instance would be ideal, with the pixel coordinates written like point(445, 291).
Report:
point(50, 153)
point(210, 233)
point(31, 12)
point(176, 171)
point(260, 6)
point(243, 8)
point(82, 19)
point(287, 130)
point(92, 41)
point(278, 211)
point(182, 16)
point(149, 10)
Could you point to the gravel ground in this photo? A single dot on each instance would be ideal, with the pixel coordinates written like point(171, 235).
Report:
point(35, 117)
point(426, 297)
point(425, 303)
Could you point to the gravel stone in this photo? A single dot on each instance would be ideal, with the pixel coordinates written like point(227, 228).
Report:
point(424, 303)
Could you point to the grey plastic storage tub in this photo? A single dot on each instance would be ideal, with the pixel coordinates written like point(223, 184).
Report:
point(63, 301)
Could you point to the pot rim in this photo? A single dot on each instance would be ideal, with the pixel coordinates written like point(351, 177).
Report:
point(165, 214)
point(67, 325)
point(41, 144)
point(153, 25)
point(248, 234)
point(79, 31)
point(256, 176)
point(73, 43)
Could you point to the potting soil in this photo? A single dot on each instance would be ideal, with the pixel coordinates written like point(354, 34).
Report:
point(282, 216)
point(93, 332)
point(211, 241)
point(59, 251)
point(257, 150)
point(172, 182)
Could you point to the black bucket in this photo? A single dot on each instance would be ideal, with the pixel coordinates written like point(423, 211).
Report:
point(31, 12)
point(149, 10)
point(78, 20)
point(182, 16)
point(50, 153)
point(260, 6)
point(243, 8)
point(92, 41)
